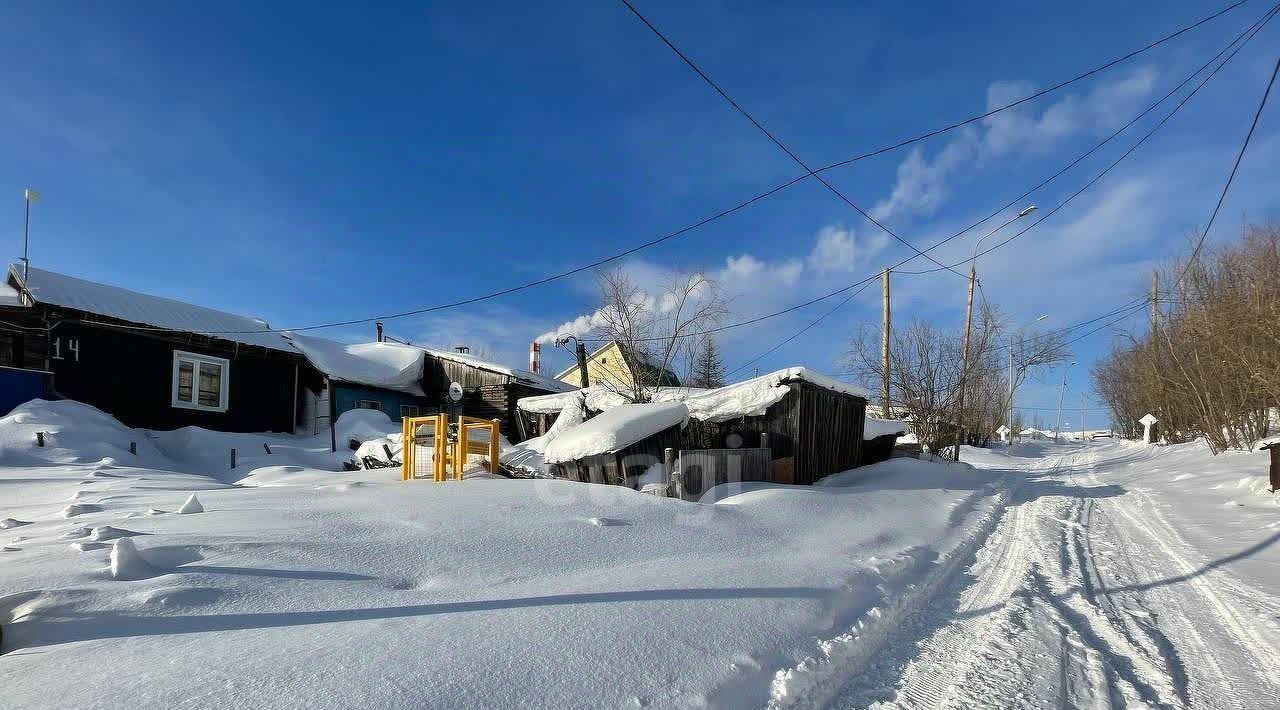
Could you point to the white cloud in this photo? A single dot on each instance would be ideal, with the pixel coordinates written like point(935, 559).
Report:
point(750, 284)
point(837, 249)
point(922, 184)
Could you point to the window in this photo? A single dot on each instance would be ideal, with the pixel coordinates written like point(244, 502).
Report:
point(200, 382)
point(368, 404)
point(408, 410)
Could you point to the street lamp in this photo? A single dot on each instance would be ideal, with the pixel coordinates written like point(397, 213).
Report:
point(1062, 393)
point(1037, 320)
point(968, 322)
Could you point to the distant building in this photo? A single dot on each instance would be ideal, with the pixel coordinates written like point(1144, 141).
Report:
point(608, 366)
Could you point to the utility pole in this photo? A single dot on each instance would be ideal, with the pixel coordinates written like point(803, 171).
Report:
point(884, 349)
point(964, 359)
point(1057, 426)
point(1010, 424)
point(28, 196)
point(1081, 415)
point(582, 364)
point(968, 321)
point(1155, 303)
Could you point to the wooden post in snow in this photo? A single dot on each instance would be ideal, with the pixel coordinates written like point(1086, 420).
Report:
point(884, 348)
point(964, 360)
point(669, 463)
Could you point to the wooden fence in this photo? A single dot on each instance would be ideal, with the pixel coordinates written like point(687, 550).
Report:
point(703, 469)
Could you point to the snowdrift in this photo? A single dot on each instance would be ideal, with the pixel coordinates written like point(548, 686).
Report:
point(75, 432)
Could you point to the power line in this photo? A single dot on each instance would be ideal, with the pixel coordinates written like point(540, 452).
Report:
point(800, 332)
point(1234, 168)
point(1160, 124)
point(741, 205)
point(1034, 96)
point(1246, 35)
point(774, 139)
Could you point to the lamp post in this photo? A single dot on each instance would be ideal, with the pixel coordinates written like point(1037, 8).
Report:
point(968, 324)
point(1061, 393)
point(1042, 317)
point(580, 351)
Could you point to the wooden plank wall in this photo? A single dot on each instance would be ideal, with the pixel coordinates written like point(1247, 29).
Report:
point(779, 421)
point(623, 467)
point(703, 469)
point(829, 426)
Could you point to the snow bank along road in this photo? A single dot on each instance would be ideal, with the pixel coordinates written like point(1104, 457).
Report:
point(1072, 576)
point(1088, 594)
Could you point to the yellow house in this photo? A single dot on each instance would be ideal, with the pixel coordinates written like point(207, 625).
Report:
point(608, 366)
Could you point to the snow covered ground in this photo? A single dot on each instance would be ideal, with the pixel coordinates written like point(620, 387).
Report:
point(1077, 575)
point(1121, 575)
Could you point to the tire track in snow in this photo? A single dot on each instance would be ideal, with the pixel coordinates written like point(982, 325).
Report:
point(1157, 529)
point(929, 680)
point(819, 679)
point(1121, 663)
point(1206, 684)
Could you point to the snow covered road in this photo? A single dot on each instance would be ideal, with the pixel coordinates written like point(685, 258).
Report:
point(1086, 595)
point(1105, 575)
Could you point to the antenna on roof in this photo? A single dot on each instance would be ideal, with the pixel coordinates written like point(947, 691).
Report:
point(28, 196)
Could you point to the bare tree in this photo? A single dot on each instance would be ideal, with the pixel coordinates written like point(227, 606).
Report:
point(1208, 365)
point(926, 375)
point(654, 330)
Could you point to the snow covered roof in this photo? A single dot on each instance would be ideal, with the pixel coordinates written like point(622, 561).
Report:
point(615, 429)
point(525, 376)
point(873, 428)
point(742, 399)
point(387, 365)
point(599, 398)
point(9, 296)
point(101, 299)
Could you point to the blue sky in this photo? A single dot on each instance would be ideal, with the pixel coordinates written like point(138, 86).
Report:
point(351, 161)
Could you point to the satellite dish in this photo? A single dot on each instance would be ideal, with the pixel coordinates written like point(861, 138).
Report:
point(455, 392)
point(733, 441)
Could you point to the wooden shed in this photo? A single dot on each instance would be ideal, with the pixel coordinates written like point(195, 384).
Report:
point(620, 445)
point(815, 424)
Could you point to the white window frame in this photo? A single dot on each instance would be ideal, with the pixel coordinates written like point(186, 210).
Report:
point(414, 411)
point(196, 360)
point(377, 408)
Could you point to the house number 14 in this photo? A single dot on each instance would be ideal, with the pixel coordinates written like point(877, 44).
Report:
point(73, 349)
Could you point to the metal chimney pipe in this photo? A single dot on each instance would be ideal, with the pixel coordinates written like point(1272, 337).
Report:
point(535, 351)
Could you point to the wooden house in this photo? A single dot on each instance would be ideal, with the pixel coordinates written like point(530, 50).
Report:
point(386, 377)
point(612, 366)
point(408, 380)
point(149, 361)
point(814, 424)
point(490, 390)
